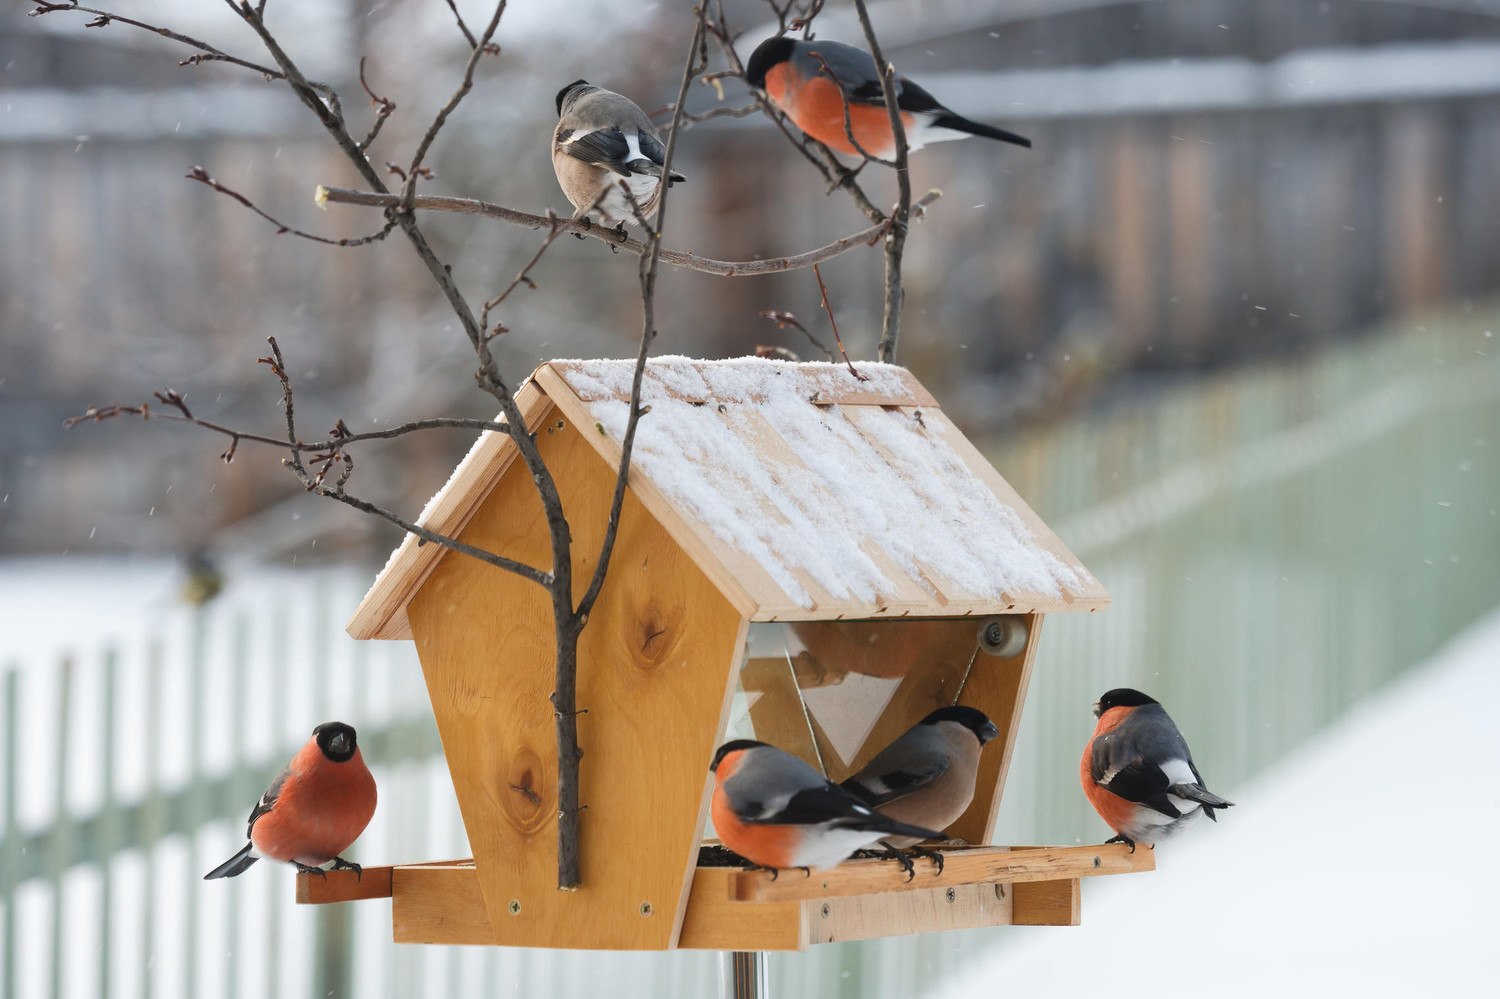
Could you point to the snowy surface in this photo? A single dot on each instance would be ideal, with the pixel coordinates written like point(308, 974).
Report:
point(817, 491)
point(1359, 865)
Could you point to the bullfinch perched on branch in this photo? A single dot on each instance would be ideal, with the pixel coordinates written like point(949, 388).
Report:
point(1138, 773)
point(927, 776)
point(314, 808)
point(814, 82)
point(601, 141)
point(776, 811)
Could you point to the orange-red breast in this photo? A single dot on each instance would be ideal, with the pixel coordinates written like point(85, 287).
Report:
point(1138, 773)
point(776, 811)
point(314, 808)
point(813, 82)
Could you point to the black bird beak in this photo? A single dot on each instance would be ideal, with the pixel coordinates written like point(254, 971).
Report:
point(1096, 709)
point(339, 744)
point(988, 732)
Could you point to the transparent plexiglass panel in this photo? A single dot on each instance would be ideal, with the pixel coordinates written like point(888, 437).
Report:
point(837, 692)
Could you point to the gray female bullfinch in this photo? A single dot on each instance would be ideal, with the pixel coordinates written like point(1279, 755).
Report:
point(602, 140)
point(927, 776)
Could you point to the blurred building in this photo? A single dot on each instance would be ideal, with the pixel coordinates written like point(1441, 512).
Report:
point(1212, 182)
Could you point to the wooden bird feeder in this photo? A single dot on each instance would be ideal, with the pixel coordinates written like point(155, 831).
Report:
point(804, 558)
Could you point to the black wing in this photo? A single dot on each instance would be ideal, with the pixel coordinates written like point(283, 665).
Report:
point(917, 770)
point(814, 806)
point(268, 800)
point(1137, 780)
point(604, 147)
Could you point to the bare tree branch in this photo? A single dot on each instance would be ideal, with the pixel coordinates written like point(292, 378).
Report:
point(828, 308)
point(468, 35)
point(676, 258)
point(895, 240)
point(384, 106)
point(201, 176)
point(209, 53)
point(98, 414)
point(441, 118)
point(648, 269)
point(524, 275)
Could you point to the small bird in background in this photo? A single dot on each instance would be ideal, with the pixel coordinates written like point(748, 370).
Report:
point(925, 777)
point(1138, 773)
point(812, 82)
point(202, 578)
point(314, 808)
point(776, 811)
point(601, 140)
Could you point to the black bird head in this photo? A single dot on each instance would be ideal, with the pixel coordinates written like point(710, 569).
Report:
point(768, 53)
point(730, 747)
point(1121, 697)
point(562, 95)
point(973, 719)
point(336, 740)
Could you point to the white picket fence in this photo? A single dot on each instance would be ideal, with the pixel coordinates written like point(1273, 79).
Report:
point(1278, 544)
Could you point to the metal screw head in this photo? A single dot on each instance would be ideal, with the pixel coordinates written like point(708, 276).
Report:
point(1003, 637)
point(825, 910)
point(951, 895)
point(645, 908)
point(515, 907)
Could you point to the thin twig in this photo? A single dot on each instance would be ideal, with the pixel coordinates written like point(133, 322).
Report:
point(385, 107)
point(848, 122)
point(820, 156)
point(828, 307)
point(468, 35)
point(524, 275)
point(441, 118)
point(676, 258)
point(97, 414)
point(202, 176)
point(895, 240)
point(785, 319)
point(689, 120)
point(210, 54)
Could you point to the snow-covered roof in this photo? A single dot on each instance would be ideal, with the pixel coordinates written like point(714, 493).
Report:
point(801, 491)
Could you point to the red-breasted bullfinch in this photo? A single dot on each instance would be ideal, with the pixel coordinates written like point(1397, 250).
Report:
point(603, 139)
point(1138, 773)
point(927, 776)
point(776, 811)
point(811, 82)
point(314, 808)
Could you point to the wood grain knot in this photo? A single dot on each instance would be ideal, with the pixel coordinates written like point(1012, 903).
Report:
point(525, 791)
point(655, 636)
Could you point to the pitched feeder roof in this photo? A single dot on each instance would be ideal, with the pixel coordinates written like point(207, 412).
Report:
point(803, 492)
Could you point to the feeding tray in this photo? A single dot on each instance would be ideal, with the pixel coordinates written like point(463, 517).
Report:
point(804, 558)
point(731, 908)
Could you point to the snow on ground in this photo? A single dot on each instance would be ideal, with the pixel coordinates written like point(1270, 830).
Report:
point(1360, 864)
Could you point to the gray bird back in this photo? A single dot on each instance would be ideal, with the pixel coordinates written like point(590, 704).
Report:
point(766, 780)
point(852, 67)
point(1147, 733)
point(589, 109)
